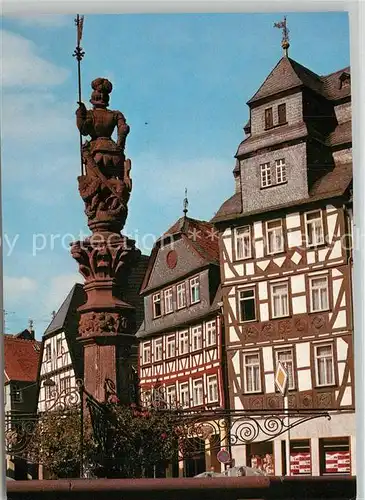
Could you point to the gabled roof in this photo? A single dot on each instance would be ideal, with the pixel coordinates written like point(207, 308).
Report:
point(200, 235)
point(73, 300)
point(21, 357)
point(288, 74)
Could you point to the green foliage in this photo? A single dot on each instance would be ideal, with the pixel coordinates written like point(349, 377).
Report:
point(138, 440)
point(56, 443)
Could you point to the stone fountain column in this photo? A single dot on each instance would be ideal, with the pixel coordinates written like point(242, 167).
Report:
point(105, 259)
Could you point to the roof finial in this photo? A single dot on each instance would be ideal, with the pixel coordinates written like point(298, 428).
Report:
point(186, 203)
point(53, 314)
point(285, 39)
point(31, 324)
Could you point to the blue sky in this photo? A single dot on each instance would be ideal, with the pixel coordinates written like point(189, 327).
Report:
point(182, 82)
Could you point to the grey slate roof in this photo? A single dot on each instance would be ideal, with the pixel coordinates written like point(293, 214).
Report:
point(74, 299)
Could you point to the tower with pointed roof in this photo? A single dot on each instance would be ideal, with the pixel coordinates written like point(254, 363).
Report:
point(286, 265)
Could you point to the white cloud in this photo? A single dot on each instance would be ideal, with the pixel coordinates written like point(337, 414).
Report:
point(22, 67)
point(56, 290)
point(16, 287)
point(44, 20)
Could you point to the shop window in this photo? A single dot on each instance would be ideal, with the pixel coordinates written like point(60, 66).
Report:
point(335, 457)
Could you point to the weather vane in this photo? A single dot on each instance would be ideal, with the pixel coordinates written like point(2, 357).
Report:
point(79, 54)
point(285, 39)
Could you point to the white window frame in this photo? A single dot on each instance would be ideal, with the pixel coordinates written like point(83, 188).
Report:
point(158, 350)
point(194, 285)
point(59, 342)
point(67, 386)
point(274, 231)
point(242, 290)
point(312, 222)
point(171, 395)
point(280, 171)
point(291, 377)
point(196, 338)
point(251, 367)
point(184, 342)
point(146, 353)
point(168, 301)
point(48, 354)
point(181, 295)
point(184, 390)
point(316, 361)
point(156, 298)
point(170, 346)
point(243, 243)
point(211, 333)
point(282, 314)
point(265, 175)
point(198, 392)
point(212, 386)
point(322, 307)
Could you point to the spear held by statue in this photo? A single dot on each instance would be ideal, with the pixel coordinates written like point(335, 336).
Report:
point(79, 54)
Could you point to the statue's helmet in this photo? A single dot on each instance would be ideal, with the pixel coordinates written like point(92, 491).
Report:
point(101, 90)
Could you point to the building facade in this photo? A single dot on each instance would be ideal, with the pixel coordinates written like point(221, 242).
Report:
point(286, 265)
point(181, 343)
point(21, 358)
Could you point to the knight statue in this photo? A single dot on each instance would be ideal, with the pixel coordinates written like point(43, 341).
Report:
point(105, 187)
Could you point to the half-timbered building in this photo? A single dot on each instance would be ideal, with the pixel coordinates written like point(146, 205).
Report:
point(180, 350)
point(286, 266)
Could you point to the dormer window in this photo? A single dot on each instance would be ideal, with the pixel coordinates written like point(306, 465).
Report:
point(345, 80)
point(265, 175)
point(282, 114)
point(269, 122)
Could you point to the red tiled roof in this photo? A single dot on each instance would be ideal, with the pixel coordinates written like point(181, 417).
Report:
point(21, 359)
point(200, 234)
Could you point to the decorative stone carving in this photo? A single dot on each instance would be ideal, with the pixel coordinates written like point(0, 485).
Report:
point(274, 402)
point(324, 399)
point(256, 403)
point(251, 333)
point(104, 257)
point(306, 400)
point(99, 323)
point(285, 328)
point(318, 322)
point(268, 331)
point(301, 324)
point(171, 259)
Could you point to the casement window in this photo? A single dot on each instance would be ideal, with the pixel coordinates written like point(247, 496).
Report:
point(252, 378)
point(170, 346)
point(48, 353)
point(314, 228)
point(168, 306)
point(268, 118)
point(48, 390)
point(16, 394)
point(197, 338)
point(282, 114)
point(181, 295)
point(280, 300)
point(184, 395)
point(59, 347)
point(194, 290)
point(247, 304)
point(171, 395)
point(183, 342)
point(198, 398)
point(280, 169)
point(265, 173)
point(243, 242)
point(274, 236)
point(65, 384)
point(324, 365)
point(156, 300)
point(158, 350)
point(211, 333)
point(212, 387)
point(146, 353)
point(318, 293)
point(285, 356)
